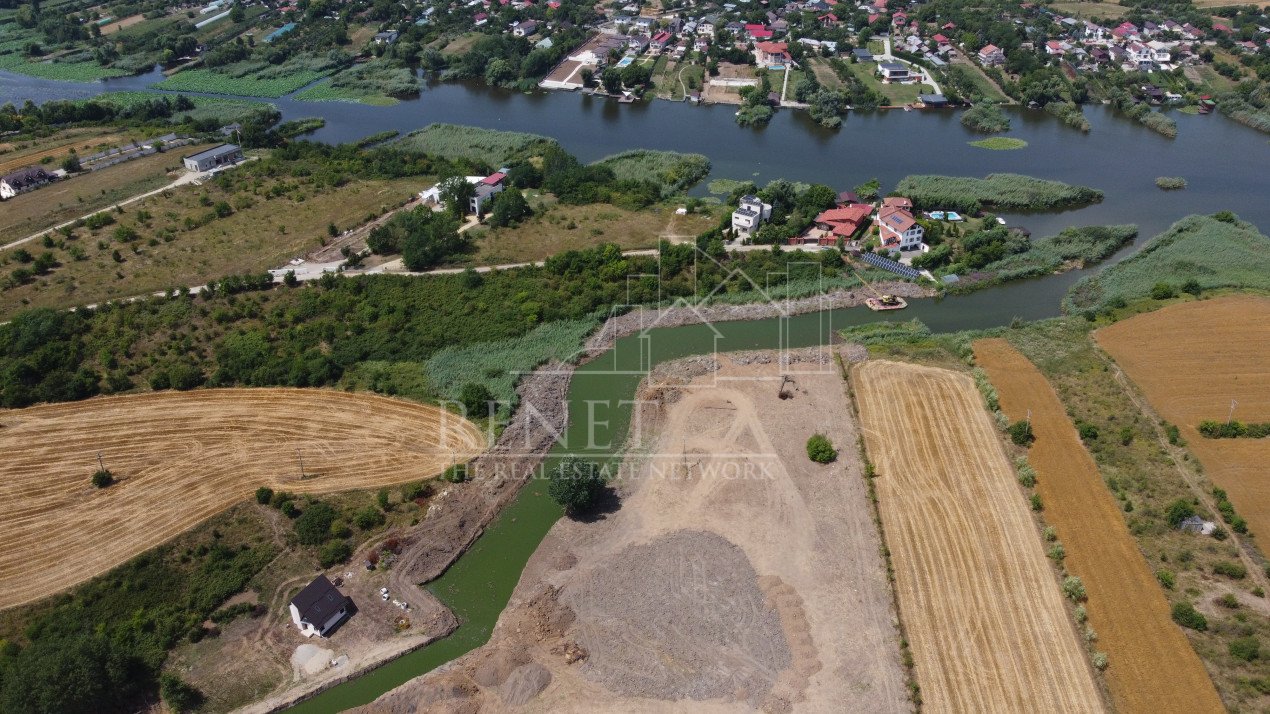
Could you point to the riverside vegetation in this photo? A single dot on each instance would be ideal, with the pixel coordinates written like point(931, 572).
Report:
point(1000, 191)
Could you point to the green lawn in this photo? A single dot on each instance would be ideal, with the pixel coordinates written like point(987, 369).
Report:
point(896, 94)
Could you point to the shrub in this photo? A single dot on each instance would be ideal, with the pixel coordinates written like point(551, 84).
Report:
point(1235, 571)
point(455, 474)
point(1036, 502)
point(415, 491)
point(1099, 660)
point(1057, 552)
point(382, 499)
point(314, 525)
point(103, 478)
point(1228, 601)
point(1187, 616)
point(1074, 589)
point(575, 485)
point(264, 495)
point(1245, 648)
point(289, 509)
point(368, 517)
point(985, 117)
point(820, 450)
point(1171, 183)
point(1192, 287)
point(1126, 435)
point(179, 696)
point(1021, 433)
point(334, 552)
point(476, 399)
point(1166, 578)
point(1162, 291)
point(1178, 511)
point(1088, 432)
point(1174, 435)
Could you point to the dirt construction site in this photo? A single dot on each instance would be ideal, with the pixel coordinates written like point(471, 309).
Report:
point(727, 572)
point(1153, 667)
point(1193, 359)
point(180, 457)
point(981, 606)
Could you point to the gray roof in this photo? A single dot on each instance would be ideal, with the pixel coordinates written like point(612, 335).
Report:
point(24, 175)
point(215, 151)
point(932, 98)
point(893, 67)
point(318, 601)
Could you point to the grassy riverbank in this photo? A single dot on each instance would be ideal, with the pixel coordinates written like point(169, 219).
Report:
point(997, 191)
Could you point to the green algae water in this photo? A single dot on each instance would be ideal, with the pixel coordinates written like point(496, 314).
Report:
point(479, 584)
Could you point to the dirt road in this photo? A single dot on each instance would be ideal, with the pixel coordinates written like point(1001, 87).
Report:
point(980, 604)
point(181, 457)
point(1153, 667)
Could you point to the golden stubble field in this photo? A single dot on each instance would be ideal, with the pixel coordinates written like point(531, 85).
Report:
point(1190, 360)
point(1153, 667)
point(980, 604)
point(181, 457)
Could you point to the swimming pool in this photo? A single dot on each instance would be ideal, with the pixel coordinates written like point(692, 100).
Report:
point(625, 61)
point(777, 67)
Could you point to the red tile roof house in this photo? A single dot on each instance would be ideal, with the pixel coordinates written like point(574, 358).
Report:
point(898, 230)
point(759, 32)
point(659, 42)
point(834, 224)
point(828, 20)
point(992, 56)
point(771, 52)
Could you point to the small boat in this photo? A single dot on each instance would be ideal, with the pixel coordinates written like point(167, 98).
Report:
point(886, 302)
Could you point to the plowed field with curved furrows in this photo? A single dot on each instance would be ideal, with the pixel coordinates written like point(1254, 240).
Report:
point(181, 457)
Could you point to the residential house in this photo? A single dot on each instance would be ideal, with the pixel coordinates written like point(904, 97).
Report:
point(645, 24)
point(895, 72)
point(486, 187)
point(223, 155)
point(843, 222)
point(898, 230)
point(705, 27)
point(480, 19)
point(637, 45)
point(758, 32)
point(941, 43)
point(862, 55)
point(525, 29)
point(25, 179)
point(386, 38)
point(658, 43)
point(769, 53)
point(991, 56)
point(701, 44)
point(319, 608)
point(747, 218)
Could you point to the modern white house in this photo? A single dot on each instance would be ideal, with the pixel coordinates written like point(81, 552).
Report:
point(486, 188)
point(319, 607)
point(747, 218)
point(898, 230)
point(223, 155)
point(895, 72)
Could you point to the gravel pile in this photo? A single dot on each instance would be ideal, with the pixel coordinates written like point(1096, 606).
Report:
point(681, 617)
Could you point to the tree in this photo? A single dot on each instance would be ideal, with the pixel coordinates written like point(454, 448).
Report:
point(1021, 433)
point(476, 399)
point(500, 71)
point(612, 80)
point(103, 478)
point(368, 518)
point(179, 696)
point(869, 190)
point(264, 495)
point(382, 499)
point(820, 450)
point(313, 526)
point(334, 552)
point(575, 485)
point(1186, 615)
point(71, 163)
point(1179, 511)
point(509, 207)
point(456, 194)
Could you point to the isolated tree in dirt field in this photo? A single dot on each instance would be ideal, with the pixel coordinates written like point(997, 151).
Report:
point(103, 478)
point(576, 484)
point(1021, 433)
point(820, 450)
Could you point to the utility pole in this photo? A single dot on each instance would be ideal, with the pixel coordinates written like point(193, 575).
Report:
point(301, 460)
point(100, 464)
point(1231, 416)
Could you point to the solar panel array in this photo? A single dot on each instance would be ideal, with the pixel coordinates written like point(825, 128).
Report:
point(900, 269)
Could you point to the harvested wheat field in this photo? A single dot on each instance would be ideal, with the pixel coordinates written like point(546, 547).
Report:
point(180, 457)
point(980, 604)
point(1190, 360)
point(1153, 667)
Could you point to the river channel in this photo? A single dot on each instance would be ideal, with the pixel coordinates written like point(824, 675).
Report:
point(1223, 162)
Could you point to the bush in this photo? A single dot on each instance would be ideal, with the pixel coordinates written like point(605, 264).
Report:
point(415, 491)
point(1021, 433)
point(1166, 578)
point(1100, 661)
point(575, 485)
point(289, 509)
point(1073, 588)
point(103, 478)
point(476, 399)
point(179, 696)
point(264, 495)
point(314, 525)
point(1245, 648)
point(1178, 511)
point(455, 474)
point(1187, 616)
point(1036, 502)
point(820, 450)
point(985, 117)
point(334, 553)
point(1235, 571)
point(1171, 183)
point(1228, 601)
point(368, 518)
point(1162, 291)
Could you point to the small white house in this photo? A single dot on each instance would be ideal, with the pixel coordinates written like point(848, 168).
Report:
point(747, 218)
point(898, 230)
point(319, 607)
point(486, 188)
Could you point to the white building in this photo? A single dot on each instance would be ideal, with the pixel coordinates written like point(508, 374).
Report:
point(898, 230)
point(486, 188)
point(747, 218)
point(23, 180)
point(223, 155)
point(319, 607)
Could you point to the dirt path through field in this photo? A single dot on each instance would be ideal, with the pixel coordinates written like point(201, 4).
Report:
point(979, 602)
point(181, 457)
point(1190, 360)
point(1153, 667)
